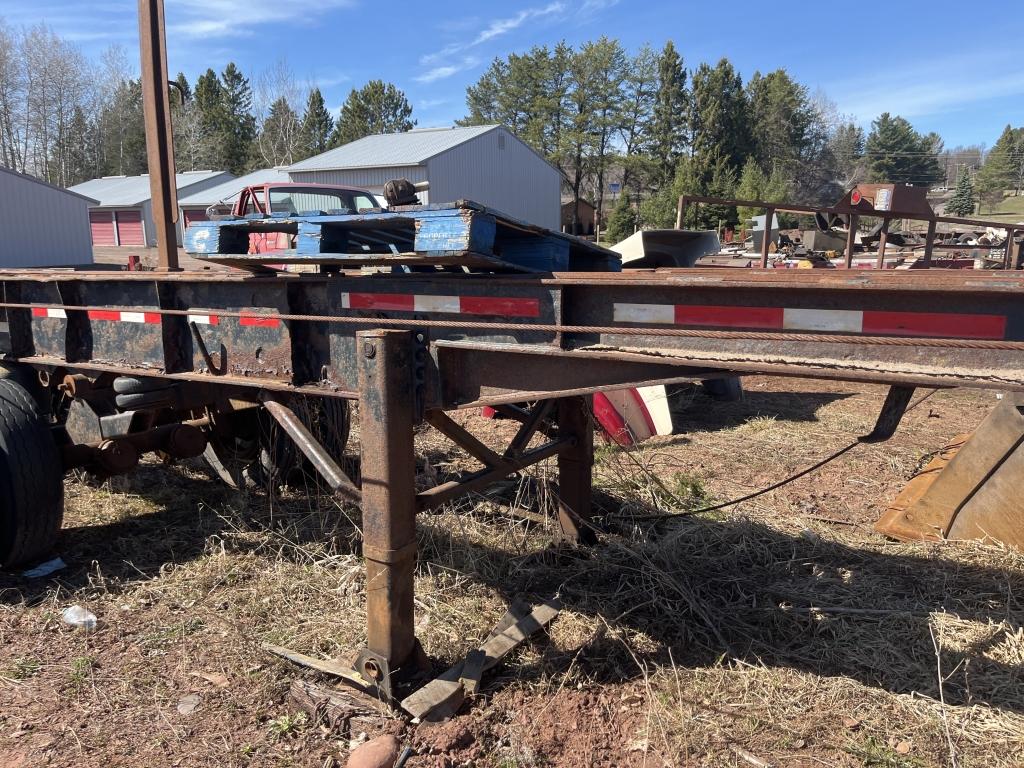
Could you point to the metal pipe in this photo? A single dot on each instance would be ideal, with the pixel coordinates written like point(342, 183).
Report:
point(156, 110)
point(882, 239)
point(313, 450)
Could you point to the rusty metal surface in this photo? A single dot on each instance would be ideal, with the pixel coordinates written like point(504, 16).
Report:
point(311, 448)
point(388, 492)
point(156, 110)
point(295, 332)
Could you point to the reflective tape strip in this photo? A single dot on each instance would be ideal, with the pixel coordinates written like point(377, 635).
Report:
point(50, 312)
point(117, 316)
point(868, 322)
point(497, 306)
point(826, 320)
point(204, 319)
point(255, 321)
point(5, 327)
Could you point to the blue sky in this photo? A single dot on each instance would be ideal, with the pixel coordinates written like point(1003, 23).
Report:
point(947, 68)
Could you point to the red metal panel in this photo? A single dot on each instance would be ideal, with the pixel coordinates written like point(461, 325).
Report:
point(192, 215)
point(129, 228)
point(101, 223)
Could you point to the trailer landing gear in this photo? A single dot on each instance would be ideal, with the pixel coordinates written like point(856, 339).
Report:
point(388, 410)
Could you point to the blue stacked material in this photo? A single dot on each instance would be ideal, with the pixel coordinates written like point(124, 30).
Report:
point(462, 233)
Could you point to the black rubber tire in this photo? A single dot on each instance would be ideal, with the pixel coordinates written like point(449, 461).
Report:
point(134, 385)
point(138, 400)
point(729, 389)
point(31, 479)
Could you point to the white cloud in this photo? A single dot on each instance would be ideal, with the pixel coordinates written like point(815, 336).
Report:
point(496, 28)
point(203, 19)
point(447, 70)
point(431, 103)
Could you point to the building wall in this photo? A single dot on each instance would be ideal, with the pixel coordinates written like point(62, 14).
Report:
point(499, 171)
point(40, 225)
point(372, 179)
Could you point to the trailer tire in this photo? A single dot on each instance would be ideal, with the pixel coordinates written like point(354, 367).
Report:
point(31, 479)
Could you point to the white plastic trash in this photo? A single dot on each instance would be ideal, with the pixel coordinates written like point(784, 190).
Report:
point(77, 616)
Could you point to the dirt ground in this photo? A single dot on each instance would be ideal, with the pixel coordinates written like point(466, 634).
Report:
point(782, 631)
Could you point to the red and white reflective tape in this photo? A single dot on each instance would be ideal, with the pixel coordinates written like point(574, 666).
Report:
point(867, 322)
point(498, 306)
point(50, 312)
point(153, 318)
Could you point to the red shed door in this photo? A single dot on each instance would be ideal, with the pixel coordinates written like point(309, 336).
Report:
point(129, 228)
point(102, 225)
point(192, 215)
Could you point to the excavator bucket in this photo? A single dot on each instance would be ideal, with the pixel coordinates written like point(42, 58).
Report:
point(972, 489)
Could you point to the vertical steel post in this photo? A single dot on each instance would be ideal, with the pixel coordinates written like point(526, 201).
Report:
point(851, 239)
point(882, 239)
point(929, 243)
point(386, 394)
point(769, 214)
point(156, 110)
point(576, 468)
point(681, 212)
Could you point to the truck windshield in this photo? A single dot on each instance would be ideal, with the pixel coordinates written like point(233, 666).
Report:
point(295, 200)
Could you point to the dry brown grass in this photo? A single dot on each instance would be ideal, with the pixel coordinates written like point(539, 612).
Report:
point(768, 631)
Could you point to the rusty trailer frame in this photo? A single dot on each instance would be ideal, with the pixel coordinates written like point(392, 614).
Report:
point(409, 348)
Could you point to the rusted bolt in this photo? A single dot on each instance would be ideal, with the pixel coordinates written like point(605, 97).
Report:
point(369, 350)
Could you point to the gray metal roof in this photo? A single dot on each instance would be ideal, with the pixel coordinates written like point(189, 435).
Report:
point(392, 149)
point(34, 180)
point(229, 190)
point(113, 191)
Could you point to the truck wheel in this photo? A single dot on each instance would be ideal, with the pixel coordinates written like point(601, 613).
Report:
point(327, 418)
point(31, 479)
point(729, 389)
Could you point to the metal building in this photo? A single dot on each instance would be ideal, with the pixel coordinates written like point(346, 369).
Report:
point(485, 163)
point(42, 225)
point(124, 213)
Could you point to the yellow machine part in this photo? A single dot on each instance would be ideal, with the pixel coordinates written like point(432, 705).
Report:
point(972, 489)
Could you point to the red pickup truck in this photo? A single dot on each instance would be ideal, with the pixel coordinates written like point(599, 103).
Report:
point(292, 198)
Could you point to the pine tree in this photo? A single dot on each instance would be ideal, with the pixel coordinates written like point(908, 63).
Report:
point(210, 123)
point(317, 125)
point(182, 92)
point(1004, 167)
point(962, 203)
point(377, 107)
point(753, 183)
point(280, 137)
point(719, 113)
point(897, 154)
point(239, 129)
point(623, 220)
point(781, 119)
point(668, 134)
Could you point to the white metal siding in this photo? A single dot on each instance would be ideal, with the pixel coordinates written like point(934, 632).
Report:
point(372, 179)
point(498, 170)
point(41, 226)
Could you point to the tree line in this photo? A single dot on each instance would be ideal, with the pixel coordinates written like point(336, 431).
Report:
point(66, 119)
point(645, 121)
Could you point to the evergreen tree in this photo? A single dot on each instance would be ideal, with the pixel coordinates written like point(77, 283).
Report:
point(1004, 167)
point(962, 203)
point(668, 133)
point(317, 125)
point(182, 93)
point(720, 127)
point(280, 137)
point(752, 186)
point(377, 107)
point(210, 123)
point(781, 120)
point(636, 129)
point(623, 220)
point(847, 146)
point(897, 154)
point(239, 129)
